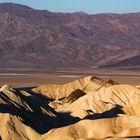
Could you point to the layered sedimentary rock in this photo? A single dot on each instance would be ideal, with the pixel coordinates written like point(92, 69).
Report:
point(88, 108)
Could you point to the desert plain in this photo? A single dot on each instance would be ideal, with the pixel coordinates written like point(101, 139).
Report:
point(37, 76)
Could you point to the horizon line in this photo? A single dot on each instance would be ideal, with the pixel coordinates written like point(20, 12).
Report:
point(68, 12)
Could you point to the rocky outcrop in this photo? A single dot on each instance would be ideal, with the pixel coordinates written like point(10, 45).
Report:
point(88, 108)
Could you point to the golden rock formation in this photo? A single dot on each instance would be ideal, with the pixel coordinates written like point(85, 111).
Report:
point(89, 108)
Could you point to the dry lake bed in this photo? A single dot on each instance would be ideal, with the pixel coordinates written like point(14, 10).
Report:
point(34, 77)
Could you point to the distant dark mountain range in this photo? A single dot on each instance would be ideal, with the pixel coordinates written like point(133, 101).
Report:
point(133, 61)
point(38, 37)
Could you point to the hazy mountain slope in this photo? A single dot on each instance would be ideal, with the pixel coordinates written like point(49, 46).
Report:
point(63, 39)
point(133, 61)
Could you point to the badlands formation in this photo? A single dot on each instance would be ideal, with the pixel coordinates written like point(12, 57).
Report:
point(86, 109)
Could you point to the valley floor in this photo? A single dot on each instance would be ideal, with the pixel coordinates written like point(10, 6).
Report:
point(34, 77)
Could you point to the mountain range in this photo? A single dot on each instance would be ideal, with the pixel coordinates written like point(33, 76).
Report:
point(30, 37)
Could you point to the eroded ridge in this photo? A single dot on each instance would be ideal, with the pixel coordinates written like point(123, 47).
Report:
point(88, 108)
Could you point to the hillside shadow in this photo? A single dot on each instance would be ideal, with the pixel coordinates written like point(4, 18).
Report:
point(35, 112)
point(107, 114)
point(39, 116)
point(74, 96)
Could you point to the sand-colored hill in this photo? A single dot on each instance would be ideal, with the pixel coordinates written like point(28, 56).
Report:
point(103, 101)
point(101, 128)
point(88, 108)
point(87, 85)
point(138, 86)
point(12, 128)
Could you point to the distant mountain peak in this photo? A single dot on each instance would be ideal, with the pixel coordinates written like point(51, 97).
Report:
point(13, 5)
point(81, 13)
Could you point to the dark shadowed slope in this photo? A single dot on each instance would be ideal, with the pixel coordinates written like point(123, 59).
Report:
point(133, 61)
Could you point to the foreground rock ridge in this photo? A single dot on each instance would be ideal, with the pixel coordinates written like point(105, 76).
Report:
point(88, 108)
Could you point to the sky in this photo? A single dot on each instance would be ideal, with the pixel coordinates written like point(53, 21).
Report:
point(88, 6)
